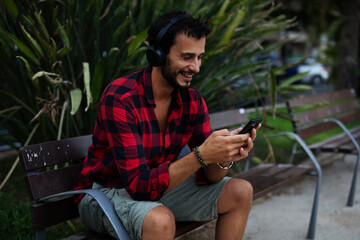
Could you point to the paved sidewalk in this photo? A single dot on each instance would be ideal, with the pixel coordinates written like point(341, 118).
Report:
point(286, 216)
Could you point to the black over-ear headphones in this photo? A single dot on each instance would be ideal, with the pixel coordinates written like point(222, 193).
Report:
point(154, 54)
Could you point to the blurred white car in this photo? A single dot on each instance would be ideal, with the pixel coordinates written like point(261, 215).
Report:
point(317, 72)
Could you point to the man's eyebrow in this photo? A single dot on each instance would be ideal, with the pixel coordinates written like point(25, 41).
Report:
point(187, 54)
point(191, 54)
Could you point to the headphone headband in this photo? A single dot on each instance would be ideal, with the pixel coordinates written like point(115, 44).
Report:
point(163, 31)
point(154, 54)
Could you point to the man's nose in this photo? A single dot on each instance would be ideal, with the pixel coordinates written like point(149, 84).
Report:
point(195, 66)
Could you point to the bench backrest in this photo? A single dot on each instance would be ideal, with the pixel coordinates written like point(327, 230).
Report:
point(52, 167)
point(228, 119)
point(307, 111)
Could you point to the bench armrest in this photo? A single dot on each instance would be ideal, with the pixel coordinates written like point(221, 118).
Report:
point(105, 205)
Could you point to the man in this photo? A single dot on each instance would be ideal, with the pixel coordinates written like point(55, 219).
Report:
point(143, 122)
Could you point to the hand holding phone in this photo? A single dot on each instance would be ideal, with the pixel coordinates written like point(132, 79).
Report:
point(253, 123)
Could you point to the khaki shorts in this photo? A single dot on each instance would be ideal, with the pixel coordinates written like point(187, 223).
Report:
point(188, 202)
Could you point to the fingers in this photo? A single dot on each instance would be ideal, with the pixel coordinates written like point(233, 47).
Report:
point(232, 137)
point(249, 145)
point(235, 131)
point(243, 152)
point(221, 145)
point(253, 132)
point(222, 132)
point(238, 137)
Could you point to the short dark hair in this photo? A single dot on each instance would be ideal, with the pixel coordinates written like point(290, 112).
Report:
point(192, 27)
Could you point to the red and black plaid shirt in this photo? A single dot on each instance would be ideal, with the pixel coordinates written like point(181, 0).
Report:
point(128, 149)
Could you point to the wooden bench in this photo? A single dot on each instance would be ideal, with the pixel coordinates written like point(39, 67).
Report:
point(45, 181)
point(319, 113)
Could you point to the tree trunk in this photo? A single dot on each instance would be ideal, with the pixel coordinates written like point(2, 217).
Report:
point(349, 45)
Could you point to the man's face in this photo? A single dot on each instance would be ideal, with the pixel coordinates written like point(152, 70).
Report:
point(183, 60)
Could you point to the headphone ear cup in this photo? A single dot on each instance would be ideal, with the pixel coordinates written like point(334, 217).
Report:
point(155, 56)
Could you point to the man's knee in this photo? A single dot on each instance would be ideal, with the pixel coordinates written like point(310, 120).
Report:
point(237, 195)
point(241, 191)
point(159, 221)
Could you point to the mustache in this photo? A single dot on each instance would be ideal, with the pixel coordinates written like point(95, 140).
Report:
point(188, 72)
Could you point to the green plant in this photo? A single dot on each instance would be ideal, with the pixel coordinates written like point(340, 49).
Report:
point(15, 216)
point(14, 211)
point(58, 56)
point(15, 221)
point(57, 50)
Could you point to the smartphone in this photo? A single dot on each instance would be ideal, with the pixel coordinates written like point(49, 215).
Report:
point(253, 123)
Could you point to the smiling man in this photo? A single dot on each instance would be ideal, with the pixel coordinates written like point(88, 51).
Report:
point(144, 120)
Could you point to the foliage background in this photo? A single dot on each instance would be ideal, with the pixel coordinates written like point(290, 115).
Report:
point(58, 56)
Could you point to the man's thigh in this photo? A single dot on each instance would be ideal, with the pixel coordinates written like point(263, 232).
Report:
point(188, 202)
point(130, 212)
point(192, 202)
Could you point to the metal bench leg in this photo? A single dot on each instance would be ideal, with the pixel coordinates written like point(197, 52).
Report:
point(351, 198)
point(293, 151)
point(247, 165)
point(312, 224)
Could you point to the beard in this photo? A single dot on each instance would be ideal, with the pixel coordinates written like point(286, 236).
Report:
point(170, 76)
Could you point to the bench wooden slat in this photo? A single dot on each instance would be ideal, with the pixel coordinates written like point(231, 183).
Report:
point(226, 119)
point(338, 143)
point(272, 171)
point(274, 177)
point(341, 105)
point(53, 212)
point(322, 98)
point(282, 179)
point(55, 152)
point(89, 235)
point(313, 130)
point(341, 139)
point(43, 184)
point(262, 176)
point(324, 112)
point(185, 227)
point(255, 170)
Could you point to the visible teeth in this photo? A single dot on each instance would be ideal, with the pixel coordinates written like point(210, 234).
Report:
point(189, 76)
